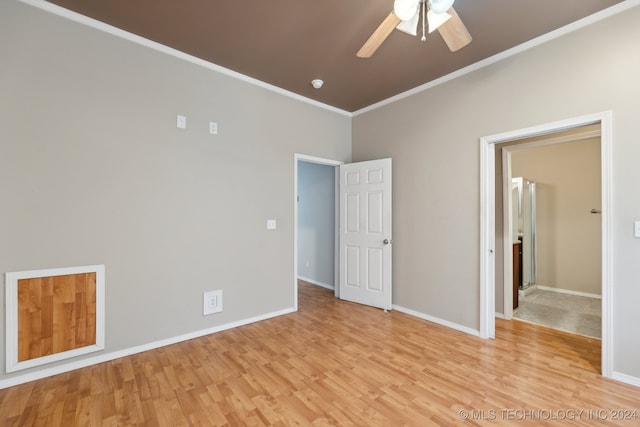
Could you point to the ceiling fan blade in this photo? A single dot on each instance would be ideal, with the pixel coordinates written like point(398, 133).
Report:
point(454, 33)
point(379, 35)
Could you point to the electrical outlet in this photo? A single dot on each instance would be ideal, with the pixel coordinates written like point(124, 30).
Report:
point(213, 128)
point(212, 302)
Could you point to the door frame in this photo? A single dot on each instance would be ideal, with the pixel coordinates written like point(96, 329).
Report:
point(487, 222)
point(336, 224)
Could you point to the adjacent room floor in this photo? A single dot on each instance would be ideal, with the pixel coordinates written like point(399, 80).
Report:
point(571, 313)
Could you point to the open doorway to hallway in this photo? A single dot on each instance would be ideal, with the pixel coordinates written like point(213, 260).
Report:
point(316, 223)
point(361, 228)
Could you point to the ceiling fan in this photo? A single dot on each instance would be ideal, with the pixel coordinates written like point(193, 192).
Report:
point(406, 17)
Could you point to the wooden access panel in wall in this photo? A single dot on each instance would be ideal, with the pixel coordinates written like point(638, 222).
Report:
point(56, 314)
point(53, 315)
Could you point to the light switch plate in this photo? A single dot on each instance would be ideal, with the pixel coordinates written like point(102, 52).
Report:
point(212, 302)
point(271, 224)
point(636, 229)
point(213, 128)
point(181, 122)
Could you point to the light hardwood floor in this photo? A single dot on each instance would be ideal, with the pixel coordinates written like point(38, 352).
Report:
point(338, 363)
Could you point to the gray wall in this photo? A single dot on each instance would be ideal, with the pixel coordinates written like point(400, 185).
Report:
point(433, 138)
point(569, 237)
point(93, 170)
point(316, 218)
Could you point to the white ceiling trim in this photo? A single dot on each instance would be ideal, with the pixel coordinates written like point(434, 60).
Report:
point(584, 22)
point(85, 20)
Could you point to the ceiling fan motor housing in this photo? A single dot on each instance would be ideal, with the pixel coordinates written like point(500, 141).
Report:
point(406, 9)
point(440, 6)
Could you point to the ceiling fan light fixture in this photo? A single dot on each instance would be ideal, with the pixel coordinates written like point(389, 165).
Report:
point(410, 26)
point(440, 6)
point(436, 19)
point(406, 9)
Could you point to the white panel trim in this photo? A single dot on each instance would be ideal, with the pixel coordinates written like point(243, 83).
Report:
point(98, 25)
point(606, 144)
point(487, 220)
point(11, 295)
point(10, 382)
point(507, 227)
point(317, 283)
point(569, 292)
point(319, 160)
point(626, 378)
point(437, 320)
point(554, 140)
point(487, 242)
point(574, 26)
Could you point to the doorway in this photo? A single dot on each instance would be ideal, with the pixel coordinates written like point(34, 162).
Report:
point(488, 227)
point(315, 249)
point(551, 223)
point(362, 230)
point(316, 224)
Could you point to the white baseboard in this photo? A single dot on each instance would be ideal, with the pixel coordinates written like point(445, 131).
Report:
point(315, 282)
point(437, 320)
point(21, 379)
point(569, 292)
point(626, 378)
point(500, 315)
point(529, 289)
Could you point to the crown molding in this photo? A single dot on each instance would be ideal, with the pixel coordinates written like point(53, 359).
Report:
point(569, 28)
point(110, 29)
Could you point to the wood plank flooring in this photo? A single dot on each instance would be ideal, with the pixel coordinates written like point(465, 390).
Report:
point(335, 363)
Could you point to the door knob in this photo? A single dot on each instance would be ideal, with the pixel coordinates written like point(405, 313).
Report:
point(387, 241)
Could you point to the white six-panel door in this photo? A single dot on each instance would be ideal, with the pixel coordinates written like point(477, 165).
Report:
point(365, 233)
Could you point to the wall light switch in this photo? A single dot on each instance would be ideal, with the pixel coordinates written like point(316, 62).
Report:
point(213, 128)
point(271, 224)
point(636, 229)
point(181, 122)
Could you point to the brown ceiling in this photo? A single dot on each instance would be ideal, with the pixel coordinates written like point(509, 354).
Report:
point(287, 43)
